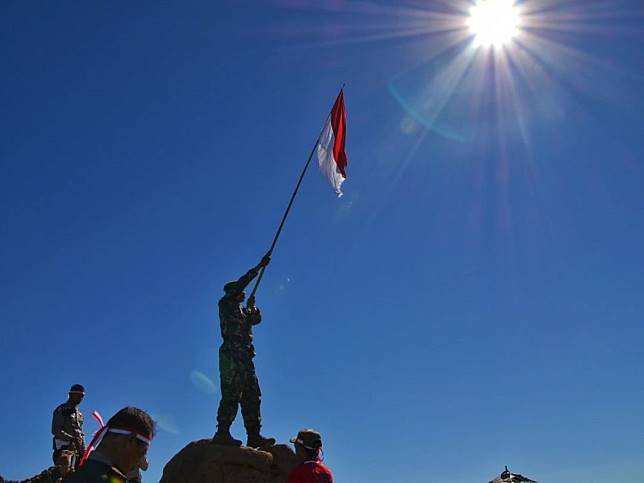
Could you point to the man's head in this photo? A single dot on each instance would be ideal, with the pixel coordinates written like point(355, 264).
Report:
point(232, 291)
point(308, 443)
point(76, 394)
point(128, 437)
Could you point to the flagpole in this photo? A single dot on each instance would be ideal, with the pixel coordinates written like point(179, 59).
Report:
point(290, 203)
point(288, 209)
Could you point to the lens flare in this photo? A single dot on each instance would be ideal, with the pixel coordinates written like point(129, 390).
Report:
point(494, 22)
point(202, 382)
point(473, 68)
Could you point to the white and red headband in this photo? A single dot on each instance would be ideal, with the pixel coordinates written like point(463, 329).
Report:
point(100, 434)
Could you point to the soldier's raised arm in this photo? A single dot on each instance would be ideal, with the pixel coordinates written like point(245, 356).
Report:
point(241, 283)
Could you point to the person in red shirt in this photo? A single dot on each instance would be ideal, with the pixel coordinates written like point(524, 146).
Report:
point(308, 448)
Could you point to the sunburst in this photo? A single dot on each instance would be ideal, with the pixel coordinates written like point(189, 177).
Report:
point(494, 22)
point(520, 57)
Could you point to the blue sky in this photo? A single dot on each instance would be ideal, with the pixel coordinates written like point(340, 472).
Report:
point(473, 301)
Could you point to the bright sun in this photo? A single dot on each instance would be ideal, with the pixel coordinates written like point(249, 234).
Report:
point(493, 22)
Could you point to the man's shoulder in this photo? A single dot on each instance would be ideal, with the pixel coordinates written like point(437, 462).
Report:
point(321, 467)
point(324, 468)
point(96, 472)
point(311, 471)
point(323, 473)
point(61, 407)
point(226, 302)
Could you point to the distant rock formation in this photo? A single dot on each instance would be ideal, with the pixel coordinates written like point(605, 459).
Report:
point(204, 462)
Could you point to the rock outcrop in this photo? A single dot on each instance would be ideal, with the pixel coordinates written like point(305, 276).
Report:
point(204, 462)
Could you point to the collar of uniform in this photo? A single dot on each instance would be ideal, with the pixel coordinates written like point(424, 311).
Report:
point(100, 457)
point(96, 455)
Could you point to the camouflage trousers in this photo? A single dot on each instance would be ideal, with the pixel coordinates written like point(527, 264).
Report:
point(78, 454)
point(239, 386)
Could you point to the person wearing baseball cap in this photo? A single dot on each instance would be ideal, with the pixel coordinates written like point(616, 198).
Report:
point(308, 450)
point(67, 426)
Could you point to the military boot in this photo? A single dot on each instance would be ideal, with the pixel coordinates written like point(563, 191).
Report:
point(223, 437)
point(256, 440)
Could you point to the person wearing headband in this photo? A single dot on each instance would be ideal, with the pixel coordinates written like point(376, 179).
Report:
point(308, 454)
point(121, 445)
point(67, 426)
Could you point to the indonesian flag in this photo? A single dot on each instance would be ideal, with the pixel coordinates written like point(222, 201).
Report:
point(332, 159)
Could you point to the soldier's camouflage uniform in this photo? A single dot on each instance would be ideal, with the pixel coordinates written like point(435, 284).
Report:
point(239, 384)
point(67, 428)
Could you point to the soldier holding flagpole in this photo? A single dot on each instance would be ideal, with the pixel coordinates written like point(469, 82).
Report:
point(239, 383)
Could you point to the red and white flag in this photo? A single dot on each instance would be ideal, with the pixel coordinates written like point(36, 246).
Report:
point(332, 159)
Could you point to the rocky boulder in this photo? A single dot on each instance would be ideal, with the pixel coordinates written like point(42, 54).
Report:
point(204, 462)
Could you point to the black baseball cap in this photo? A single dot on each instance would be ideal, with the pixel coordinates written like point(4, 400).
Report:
point(77, 389)
point(309, 438)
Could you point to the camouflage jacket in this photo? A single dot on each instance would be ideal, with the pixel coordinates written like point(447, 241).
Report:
point(67, 425)
point(236, 321)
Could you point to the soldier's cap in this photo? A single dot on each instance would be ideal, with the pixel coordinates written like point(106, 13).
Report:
point(309, 438)
point(231, 287)
point(77, 389)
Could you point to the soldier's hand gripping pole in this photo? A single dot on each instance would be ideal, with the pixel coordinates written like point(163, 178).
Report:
point(259, 279)
point(266, 259)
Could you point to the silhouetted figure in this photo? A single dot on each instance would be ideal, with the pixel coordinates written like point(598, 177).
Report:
point(67, 426)
point(507, 476)
point(239, 384)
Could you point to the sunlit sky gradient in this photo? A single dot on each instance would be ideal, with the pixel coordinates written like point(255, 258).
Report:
point(474, 300)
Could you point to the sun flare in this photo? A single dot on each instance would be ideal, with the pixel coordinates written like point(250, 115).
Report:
point(494, 22)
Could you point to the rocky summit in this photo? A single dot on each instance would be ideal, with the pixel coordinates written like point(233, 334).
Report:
point(204, 462)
